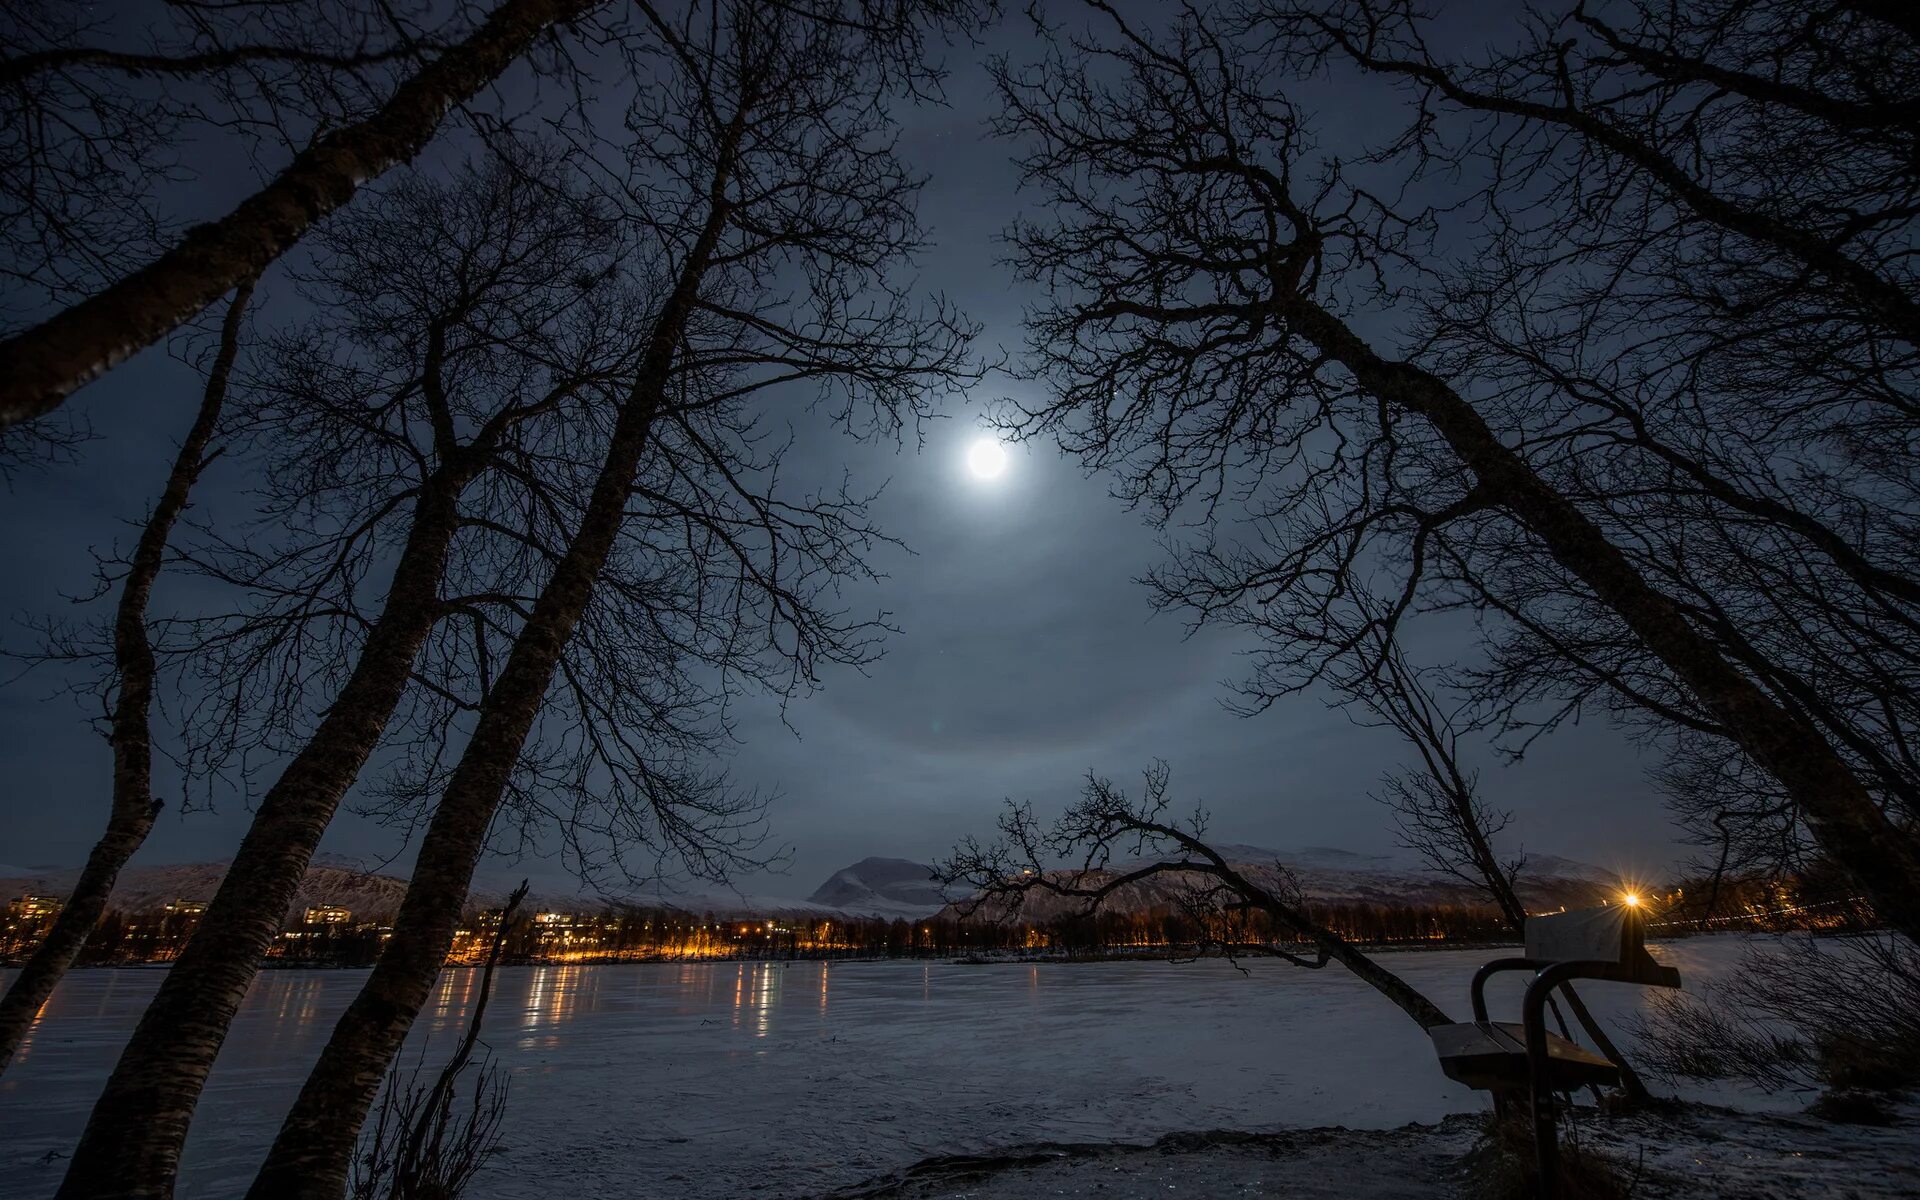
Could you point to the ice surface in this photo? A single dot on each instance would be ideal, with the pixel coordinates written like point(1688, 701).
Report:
point(718, 1080)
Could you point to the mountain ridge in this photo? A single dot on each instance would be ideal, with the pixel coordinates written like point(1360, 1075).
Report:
point(876, 886)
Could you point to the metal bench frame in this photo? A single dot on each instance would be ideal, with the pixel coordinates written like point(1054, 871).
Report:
point(1632, 965)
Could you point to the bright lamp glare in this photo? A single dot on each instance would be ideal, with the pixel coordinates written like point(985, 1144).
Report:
point(987, 459)
point(1631, 899)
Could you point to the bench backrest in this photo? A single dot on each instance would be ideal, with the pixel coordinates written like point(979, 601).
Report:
point(1611, 934)
point(1614, 935)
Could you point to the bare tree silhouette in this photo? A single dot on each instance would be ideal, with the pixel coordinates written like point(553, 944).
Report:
point(471, 321)
point(778, 208)
point(131, 685)
point(1152, 842)
point(1195, 344)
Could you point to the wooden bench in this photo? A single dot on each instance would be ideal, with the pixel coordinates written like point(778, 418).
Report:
point(1506, 1058)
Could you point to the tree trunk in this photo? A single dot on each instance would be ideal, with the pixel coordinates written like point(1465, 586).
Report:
point(1882, 858)
point(40, 367)
point(1410, 999)
point(132, 1142)
point(134, 807)
point(312, 1154)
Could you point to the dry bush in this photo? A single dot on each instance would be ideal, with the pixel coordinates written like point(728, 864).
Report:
point(1843, 1013)
point(1501, 1165)
point(424, 1144)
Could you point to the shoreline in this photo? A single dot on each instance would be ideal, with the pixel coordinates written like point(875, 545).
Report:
point(1664, 1153)
point(971, 960)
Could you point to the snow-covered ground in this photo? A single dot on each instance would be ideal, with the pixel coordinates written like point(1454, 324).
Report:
point(1696, 1153)
point(719, 1080)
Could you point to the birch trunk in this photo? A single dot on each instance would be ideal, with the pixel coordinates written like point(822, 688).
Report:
point(40, 367)
point(132, 1142)
point(1882, 858)
point(134, 807)
point(312, 1154)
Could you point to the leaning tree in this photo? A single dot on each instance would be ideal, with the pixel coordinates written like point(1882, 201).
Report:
point(399, 438)
point(1113, 842)
point(1201, 265)
point(769, 196)
point(92, 124)
point(1694, 290)
point(128, 688)
point(83, 112)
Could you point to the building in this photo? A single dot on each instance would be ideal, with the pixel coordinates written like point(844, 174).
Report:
point(34, 908)
point(186, 908)
point(328, 914)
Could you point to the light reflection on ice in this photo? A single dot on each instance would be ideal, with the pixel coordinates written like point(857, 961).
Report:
point(788, 1079)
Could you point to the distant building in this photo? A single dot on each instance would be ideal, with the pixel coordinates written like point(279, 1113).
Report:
point(34, 908)
point(186, 908)
point(553, 918)
point(328, 914)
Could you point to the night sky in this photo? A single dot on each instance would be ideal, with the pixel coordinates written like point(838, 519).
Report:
point(1027, 654)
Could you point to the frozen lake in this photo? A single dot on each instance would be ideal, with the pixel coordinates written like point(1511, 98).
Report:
point(707, 1080)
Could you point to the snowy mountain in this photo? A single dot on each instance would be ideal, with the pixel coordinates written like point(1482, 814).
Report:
point(1328, 875)
point(888, 888)
point(877, 887)
point(370, 896)
point(882, 884)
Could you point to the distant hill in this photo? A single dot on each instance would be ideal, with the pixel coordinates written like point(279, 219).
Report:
point(882, 883)
point(892, 889)
point(1331, 876)
point(889, 888)
point(371, 896)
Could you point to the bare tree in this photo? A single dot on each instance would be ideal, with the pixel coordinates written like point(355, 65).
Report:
point(1440, 814)
point(467, 323)
point(89, 143)
point(99, 113)
point(1106, 822)
point(1194, 338)
point(134, 806)
point(42, 365)
point(1437, 805)
point(1788, 128)
point(416, 1149)
point(779, 209)
point(1698, 299)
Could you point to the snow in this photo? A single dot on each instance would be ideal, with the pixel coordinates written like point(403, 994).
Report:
point(1696, 1154)
point(706, 1080)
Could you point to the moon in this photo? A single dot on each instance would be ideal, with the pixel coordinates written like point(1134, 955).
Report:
point(987, 459)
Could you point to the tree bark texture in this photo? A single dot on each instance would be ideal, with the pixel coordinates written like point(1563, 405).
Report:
point(132, 1142)
point(1882, 858)
point(40, 367)
point(312, 1155)
point(133, 808)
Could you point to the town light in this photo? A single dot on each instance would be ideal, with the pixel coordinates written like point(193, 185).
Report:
point(1631, 899)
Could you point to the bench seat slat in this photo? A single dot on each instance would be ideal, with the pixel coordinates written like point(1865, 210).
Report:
point(1492, 1055)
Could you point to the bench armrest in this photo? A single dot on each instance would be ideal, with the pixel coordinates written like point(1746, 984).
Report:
point(1479, 989)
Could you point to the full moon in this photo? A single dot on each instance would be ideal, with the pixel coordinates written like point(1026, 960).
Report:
point(986, 459)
